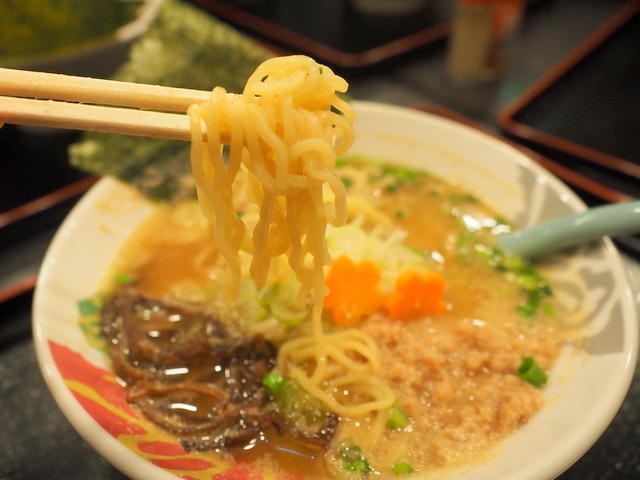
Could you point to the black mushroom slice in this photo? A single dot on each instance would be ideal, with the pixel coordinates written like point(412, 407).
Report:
point(194, 375)
point(320, 436)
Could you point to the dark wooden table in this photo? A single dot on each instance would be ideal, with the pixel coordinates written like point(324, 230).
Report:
point(36, 442)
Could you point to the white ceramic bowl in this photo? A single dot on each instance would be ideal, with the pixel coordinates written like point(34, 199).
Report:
point(584, 392)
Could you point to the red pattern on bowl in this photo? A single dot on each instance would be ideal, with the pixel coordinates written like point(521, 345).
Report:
point(104, 399)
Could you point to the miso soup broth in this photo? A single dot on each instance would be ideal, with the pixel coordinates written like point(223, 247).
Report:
point(463, 334)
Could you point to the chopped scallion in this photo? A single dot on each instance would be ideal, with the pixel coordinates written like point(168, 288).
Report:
point(528, 282)
point(402, 174)
point(353, 460)
point(397, 418)
point(88, 307)
point(465, 243)
point(521, 270)
point(402, 468)
point(350, 160)
point(464, 198)
point(273, 381)
point(346, 181)
point(123, 278)
point(293, 402)
point(424, 254)
point(548, 310)
point(530, 372)
point(526, 309)
point(513, 262)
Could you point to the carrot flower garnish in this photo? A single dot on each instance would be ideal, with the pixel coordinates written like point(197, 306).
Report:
point(353, 291)
point(416, 294)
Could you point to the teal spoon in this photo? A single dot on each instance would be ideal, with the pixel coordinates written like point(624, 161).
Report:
point(572, 230)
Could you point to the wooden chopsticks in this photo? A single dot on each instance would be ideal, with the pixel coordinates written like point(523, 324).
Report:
point(127, 121)
point(45, 108)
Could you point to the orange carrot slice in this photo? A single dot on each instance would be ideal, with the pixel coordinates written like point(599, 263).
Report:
point(416, 294)
point(353, 291)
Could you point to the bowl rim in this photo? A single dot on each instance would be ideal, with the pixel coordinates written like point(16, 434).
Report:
point(560, 458)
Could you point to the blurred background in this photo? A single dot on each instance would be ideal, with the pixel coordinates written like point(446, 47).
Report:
point(559, 78)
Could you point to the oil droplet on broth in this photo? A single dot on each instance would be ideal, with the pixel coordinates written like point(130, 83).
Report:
point(288, 454)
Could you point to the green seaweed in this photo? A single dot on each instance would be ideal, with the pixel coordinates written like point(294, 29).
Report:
point(183, 47)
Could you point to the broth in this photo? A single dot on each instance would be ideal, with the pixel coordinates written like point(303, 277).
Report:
point(453, 373)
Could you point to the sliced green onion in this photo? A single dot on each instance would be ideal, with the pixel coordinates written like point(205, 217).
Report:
point(534, 298)
point(402, 174)
point(123, 278)
point(528, 282)
point(548, 309)
point(514, 262)
point(465, 244)
point(418, 251)
point(346, 181)
point(270, 293)
point(402, 468)
point(530, 372)
point(273, 381)
point(288, 315)
point(526, 309)
point(520, 270)
point(342, 161)
point(88, 307)
point(276, 300)
point(397, 417)
point(353, 460)
point(464, 198)
point(400, 214)
point(293, 402)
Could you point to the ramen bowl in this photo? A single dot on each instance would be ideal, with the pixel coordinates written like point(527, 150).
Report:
point(586, 385)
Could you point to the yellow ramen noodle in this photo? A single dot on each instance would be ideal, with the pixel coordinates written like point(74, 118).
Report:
point(284, 133)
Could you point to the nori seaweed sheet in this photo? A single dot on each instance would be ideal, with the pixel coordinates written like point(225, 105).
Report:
point(183, 47)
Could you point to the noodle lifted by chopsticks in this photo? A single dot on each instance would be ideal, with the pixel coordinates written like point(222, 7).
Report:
point(285, 134)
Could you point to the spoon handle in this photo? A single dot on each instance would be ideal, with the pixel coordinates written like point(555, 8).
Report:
point(573, 230)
